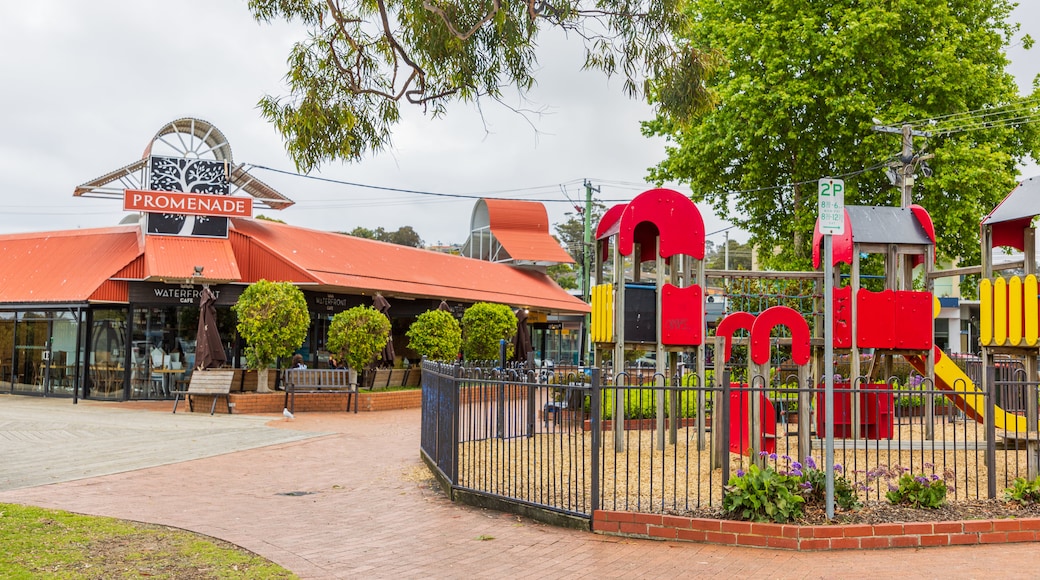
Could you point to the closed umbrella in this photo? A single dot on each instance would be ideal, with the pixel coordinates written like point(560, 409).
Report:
point(522, 340)
point(386, 358)
point(209, 349)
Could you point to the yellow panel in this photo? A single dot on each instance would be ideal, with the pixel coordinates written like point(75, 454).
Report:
point(602, 313)
point(985, 312)
point(1014, 328)
point(1000, 312)
point(1030, 310)
point(595, 323)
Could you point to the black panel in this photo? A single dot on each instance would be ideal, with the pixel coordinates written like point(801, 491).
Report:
point(640, 313)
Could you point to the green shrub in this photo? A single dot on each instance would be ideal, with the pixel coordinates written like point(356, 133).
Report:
point(917, 490)
point(436, 335)
point(1023, 491)
point(483, 326)
point(358, 335)
point(763, 495)
point(273, 319)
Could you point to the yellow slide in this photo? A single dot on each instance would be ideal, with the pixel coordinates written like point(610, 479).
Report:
point(964, 394)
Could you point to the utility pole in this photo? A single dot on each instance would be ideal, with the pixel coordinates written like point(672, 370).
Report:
point(901, 171)
point(586, 269)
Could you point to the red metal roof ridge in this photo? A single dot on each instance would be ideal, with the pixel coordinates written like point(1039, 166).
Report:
point(272, 252)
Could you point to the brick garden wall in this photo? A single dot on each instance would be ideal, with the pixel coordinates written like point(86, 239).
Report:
point(830, 537)
point(259, 403)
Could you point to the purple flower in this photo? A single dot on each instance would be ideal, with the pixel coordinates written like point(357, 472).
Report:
point(796, 472)
point(921, 479)
point(785, 457)
point(772, 456)
point(806, 485)
point(838, 468)
point(810, 463)
point(892, 487)
point(740, 473)
point(935, 477)
point(796, 466)
point(762, 454)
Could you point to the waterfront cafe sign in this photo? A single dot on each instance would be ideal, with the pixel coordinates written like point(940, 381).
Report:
point(187, 197)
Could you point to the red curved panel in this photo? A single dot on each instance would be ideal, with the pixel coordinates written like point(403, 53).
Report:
point(926, 222)
point(608, 225)
point(676, 218)
point(841, 245)
point(780, 316)
point(730, 324)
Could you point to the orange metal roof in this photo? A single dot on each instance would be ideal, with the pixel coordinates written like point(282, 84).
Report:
point(175, 257)
point(67, 266)
point(82, 265)
point(338, 260)
point(522, 227)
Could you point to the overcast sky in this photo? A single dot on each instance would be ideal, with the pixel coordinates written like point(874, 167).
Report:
point(88, 84)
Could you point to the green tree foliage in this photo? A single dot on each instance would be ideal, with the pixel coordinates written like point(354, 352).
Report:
point(435, 335)
point(404, 236)
point(801, 83)
point(571, 234)
point(273, 320)
point(358, 335)
point(361, 60)
point(483, 326)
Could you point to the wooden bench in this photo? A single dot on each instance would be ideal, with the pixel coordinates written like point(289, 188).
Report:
point(318, 381)
point(214, 383)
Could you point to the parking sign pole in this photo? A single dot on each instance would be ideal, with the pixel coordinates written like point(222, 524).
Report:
point(831, 215)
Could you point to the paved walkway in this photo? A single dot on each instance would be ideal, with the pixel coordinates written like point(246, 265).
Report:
point(342, 496)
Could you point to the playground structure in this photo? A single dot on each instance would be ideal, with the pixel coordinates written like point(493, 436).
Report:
point(724, 393)
point(667, 315)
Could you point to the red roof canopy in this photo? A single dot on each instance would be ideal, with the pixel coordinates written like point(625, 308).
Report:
point(71, 266)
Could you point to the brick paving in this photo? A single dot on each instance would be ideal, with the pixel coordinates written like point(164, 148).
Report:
point(356, 509)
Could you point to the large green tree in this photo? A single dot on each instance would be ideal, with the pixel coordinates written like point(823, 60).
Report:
point(362, 59)
point(800, 84)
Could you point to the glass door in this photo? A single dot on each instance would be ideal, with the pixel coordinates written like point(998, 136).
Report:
point(32, 337)
point(6, 351)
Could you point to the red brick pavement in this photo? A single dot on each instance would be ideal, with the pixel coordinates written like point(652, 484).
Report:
point(367, 517)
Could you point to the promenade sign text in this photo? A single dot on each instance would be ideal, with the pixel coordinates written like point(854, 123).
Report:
point(170, 202)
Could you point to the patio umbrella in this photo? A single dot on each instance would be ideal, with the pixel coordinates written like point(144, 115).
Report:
point(386, 358)
point(522, 340)
point(209, 350)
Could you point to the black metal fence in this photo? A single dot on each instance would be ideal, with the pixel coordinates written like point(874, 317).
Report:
point(575, 442)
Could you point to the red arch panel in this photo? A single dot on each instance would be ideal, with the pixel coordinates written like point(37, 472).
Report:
point(676, 218)
point(780, 316)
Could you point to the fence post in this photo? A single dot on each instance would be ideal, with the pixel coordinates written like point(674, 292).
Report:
point(455, 420)
point(597, 438)
point(991, 432)
point(722, 426)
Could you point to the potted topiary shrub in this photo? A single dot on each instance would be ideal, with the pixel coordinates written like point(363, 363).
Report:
point(484, 325)
point(273, 320)
point(357, 336)
point(435, 335)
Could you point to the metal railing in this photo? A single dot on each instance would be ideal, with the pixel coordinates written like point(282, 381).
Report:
point(573, 443)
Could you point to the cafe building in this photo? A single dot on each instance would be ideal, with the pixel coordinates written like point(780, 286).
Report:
point(112, 313)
